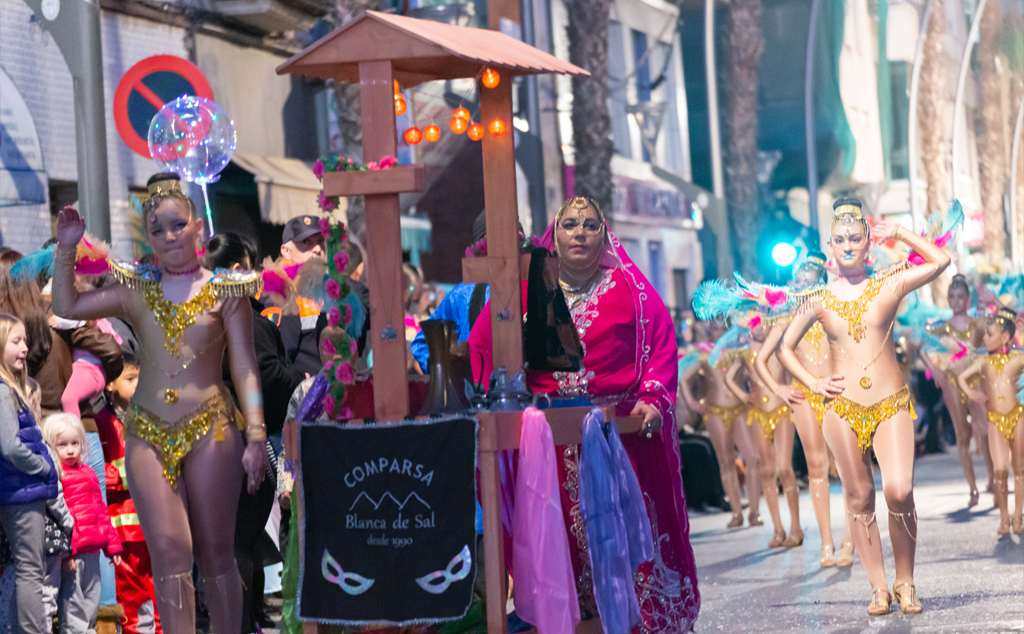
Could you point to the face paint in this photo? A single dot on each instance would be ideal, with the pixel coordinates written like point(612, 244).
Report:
point(349, 582)
point(448, 577)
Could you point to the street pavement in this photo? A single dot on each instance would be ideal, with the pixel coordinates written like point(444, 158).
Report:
point(968, 579)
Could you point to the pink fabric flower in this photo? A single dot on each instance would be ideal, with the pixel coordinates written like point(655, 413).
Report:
point(343, 373)
point(333, 288)
point(345, 413)
point(340, 261)
point(353, 347)
point(328, 347)
point(348, 315)
point(388, 162)
point(333, 316)
point(329, 405)
point(329, 365)
point(325, 228)
point(319, 169)
point(372, 166)
point(325, 203)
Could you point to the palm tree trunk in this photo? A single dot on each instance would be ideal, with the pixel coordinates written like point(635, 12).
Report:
point(991, 164)
point(591, 123)
point(1016, 95)
point(746, 44)
point(931, 113)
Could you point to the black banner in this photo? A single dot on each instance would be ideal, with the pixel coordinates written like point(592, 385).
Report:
point(389, 514)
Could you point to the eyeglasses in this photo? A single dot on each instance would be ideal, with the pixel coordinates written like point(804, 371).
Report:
point(588, 227)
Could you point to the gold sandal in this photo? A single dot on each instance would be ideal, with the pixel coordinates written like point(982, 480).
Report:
point(975, 497)
point(793, 540)
point(879, 606)
point(828, 556)
point(909, 603)
point(736, 521)
point(1004, 528)
point(755, 520)
point(777, 541)
point(1018, 525)
point(845, 557)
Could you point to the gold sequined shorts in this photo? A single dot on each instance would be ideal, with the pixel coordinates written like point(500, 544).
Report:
point(728, 414)
point(974, 382)
point(864, 419)
point(1007, 422)
point(173, 440)
point(816, 401)
point(767, 420)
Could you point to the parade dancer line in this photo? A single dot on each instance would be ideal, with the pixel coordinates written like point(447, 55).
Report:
point(868, 401)
point(724, 417)
point(184, 453)
point(808, 411)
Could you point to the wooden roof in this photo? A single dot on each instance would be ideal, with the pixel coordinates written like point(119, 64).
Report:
point(420, 51)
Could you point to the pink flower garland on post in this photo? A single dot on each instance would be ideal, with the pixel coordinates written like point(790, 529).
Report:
point(339, 346)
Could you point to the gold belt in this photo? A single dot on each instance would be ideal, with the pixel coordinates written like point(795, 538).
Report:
point(173, 440)
point(816, 401)
point(767, 420)
point(728, 414)
point(864, 419)
point(1007, 422)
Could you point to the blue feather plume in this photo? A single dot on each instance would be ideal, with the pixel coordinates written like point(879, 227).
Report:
point(687, 362)
point(714, 299)
point(953, 220)
point(29, 267)
point(731, 337)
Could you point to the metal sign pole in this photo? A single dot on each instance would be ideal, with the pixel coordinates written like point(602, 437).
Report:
point(75, 27)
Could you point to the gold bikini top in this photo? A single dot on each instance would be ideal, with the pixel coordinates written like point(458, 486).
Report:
point(999, 361)
point(965, 336)
point(175, 318)
point(852, 311)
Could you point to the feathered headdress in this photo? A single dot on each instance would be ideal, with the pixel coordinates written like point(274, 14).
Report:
point(767, 297)
point(730, 339)
point(941, 228)
point(91, 258)
point(714, 300)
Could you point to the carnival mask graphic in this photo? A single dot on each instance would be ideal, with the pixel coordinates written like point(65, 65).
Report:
point(349, 582)
point(438, 582)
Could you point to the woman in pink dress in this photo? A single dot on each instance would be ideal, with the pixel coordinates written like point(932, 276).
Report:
point(630, 361)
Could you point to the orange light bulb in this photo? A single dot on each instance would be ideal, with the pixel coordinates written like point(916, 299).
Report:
point(476, 132)
point(497, 127)
point(400, 106)
point(432, 133)
point(458, 125)
point(397, 88)
point(461, 113)
point(413, 135)
point(490, 78)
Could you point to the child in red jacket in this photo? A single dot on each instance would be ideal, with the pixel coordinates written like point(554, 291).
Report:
point(79, 597)
point(135, 574)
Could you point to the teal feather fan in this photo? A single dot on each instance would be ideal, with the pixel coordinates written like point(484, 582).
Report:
point(29, 267)
point(715, 300)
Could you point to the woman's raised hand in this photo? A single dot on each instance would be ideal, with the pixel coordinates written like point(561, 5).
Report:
point(829, 387)
point(884, 230)
point(70, 228)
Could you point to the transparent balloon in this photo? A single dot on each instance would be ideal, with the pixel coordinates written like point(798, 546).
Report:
point(195, 138)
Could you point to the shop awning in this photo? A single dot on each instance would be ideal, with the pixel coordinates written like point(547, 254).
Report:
point(286, 187)
point(415, 233)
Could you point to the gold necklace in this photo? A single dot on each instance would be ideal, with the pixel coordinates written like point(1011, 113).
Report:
point(999, 361)
point(576, 294)
point(175, 318)
point(852, 311)
point(171, 394)
point(865, 381)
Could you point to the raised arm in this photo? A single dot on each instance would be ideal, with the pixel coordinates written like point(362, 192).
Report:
point(730, 382)
point(970, 371)
point(245, 376)
point(935, 258)
point(798, 327)
point(67, 301)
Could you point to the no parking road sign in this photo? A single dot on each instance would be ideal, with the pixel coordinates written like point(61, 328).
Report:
point(145, 88)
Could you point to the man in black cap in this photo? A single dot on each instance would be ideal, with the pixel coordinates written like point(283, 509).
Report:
point(302, 240)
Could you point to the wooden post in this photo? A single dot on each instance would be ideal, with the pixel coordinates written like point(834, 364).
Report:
point(384, 247)
point(502, 227)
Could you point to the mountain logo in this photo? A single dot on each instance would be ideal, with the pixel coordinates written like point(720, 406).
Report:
point(387, 496)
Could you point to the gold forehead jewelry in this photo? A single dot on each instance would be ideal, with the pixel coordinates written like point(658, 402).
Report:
point(813, 259)
point(1004, 313)
point(164, 187)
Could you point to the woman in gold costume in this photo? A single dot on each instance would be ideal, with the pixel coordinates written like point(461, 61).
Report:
point(868, 402)
point(769, 417)
point(722, 410)
point(967, 417)
point(184, 450)
point(808, 411)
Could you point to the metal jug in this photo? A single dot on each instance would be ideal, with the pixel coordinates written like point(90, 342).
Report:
point(442, 398)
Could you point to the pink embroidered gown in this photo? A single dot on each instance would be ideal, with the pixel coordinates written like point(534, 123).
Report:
point(630, 354)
